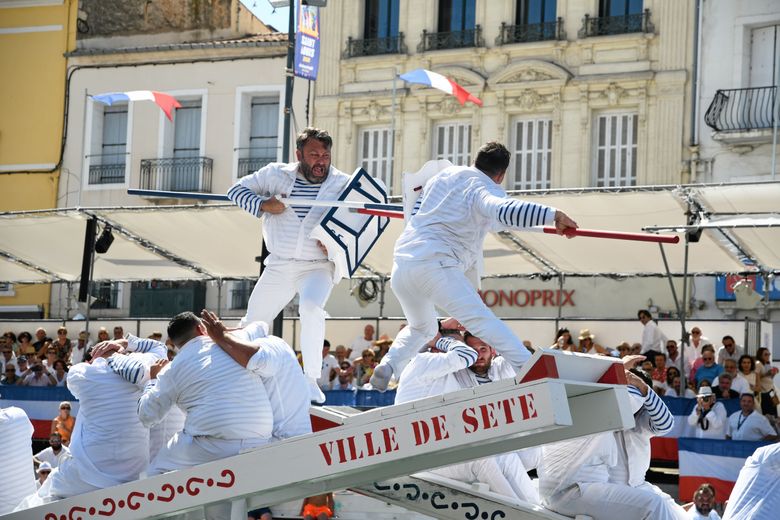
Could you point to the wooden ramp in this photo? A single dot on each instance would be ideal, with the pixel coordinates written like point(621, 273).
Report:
point(556, 396)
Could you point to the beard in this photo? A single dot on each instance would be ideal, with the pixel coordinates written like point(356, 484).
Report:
point(316, 175)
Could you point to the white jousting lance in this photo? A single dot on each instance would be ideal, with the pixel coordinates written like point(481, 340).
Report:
point(396, 211)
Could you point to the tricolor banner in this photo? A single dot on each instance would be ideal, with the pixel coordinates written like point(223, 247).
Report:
point(665, 448)
point(711, 460)
point(443, 83)
point(41, 404)
point(165, 101)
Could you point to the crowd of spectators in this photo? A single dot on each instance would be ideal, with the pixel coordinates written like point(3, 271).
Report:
point(43, 361)
point(710, 372)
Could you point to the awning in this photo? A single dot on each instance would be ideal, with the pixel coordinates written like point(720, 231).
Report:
point(220, 241)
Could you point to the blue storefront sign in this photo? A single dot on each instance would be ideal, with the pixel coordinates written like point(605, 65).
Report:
point(307, 42)
point(724, 286)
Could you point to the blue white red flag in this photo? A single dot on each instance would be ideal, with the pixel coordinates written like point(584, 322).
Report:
point(165, 101)
point(443, 83)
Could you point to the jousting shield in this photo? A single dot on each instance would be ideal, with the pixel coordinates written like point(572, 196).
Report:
point(347, 234)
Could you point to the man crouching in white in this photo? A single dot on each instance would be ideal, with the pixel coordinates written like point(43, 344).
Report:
point(439, 370)
point(108, 388)
point(198, 380)
point(590, 475)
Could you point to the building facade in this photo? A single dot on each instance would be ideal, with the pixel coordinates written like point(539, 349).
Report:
point(231, 88)
point(34, 37)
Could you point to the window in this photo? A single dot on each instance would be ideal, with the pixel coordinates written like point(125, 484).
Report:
point(615, 158)
point(381, 20)
point(186, 171)
point(108, 295)
point(535, 11)
point(452, 141)
point(531, 154)
point(457, 15)
point(619, 7)
point(239, 294)
point(376, 154)
point(764, 50)
point(6, 289)
point(108, 150)
point(263, 134)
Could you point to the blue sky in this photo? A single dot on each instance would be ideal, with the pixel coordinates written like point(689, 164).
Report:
point(263, 10)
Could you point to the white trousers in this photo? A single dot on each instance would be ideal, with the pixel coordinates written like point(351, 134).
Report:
point(421, 287)
point(504, 474)
point(277, 286)
point(185, 451)
point(610, 501)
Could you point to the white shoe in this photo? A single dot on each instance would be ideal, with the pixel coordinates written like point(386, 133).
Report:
point(381, 377)
point(315, 392)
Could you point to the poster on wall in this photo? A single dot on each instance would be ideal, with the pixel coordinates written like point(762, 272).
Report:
point(307, 42)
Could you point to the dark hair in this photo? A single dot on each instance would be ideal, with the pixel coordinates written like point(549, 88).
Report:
point(313, 133)
point(644, 312)
point(11, 335)
point(752, 362)
point(760, 352)
point(492, 159)
point(561, 332)
point(325, 343)
point(728, 337)
point(643, 376)
point(25, 334)
point(181, 327)
point(64, 366)
point(671, 373)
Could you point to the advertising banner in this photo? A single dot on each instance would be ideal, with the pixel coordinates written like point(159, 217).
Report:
point(307, 42)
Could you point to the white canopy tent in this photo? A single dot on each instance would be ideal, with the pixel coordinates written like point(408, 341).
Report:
point(221, 242)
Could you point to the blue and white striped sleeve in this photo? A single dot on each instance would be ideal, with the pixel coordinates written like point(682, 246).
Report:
point(146, 346)
point(467, 354)
point(246, 192)
point(515, 214)
point(129, 368)
point(661, 419)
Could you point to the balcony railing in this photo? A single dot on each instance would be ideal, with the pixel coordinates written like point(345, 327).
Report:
point(177, 174)
point(451, 40)
point(107, 168)
point(532, 32)
point(609, 25)
point(247, 165)
point(741, 109)
point(375, 46)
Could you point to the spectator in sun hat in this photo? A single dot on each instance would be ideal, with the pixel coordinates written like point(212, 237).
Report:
point(709, 417)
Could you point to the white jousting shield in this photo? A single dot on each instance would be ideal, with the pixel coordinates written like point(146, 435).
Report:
point(347, 234)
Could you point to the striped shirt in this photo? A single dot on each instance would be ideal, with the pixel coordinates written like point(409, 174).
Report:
point(303, 189)
point(429, 373)
point(652, 419)
point(197, 381)
point(457, 209)
point(16, 430)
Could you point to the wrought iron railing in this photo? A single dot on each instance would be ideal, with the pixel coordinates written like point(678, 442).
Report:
point(609, 25)
point(375, 46)
point(434, 41)
point(107, 168)
point(741, 109)
point(177, 174)
point(106, 296)
point(247, 165)
point(239, 297)
point(532, 32)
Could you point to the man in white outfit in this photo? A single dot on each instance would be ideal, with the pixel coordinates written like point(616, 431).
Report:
point(653, 340)
point(275, 362)
point(16, 430)
point(108, 388)
point(195, 381)
point(756, 493)
point(297, 264)
point(437, 257)
point(652, 418)
point(749, 425)
point(440, 370)
point(708, 417)
point(576, 478)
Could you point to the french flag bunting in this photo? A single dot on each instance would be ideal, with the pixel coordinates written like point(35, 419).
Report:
point(712, 460)
point(443, 83)
point(165, 101)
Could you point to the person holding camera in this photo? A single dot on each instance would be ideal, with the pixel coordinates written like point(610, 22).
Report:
point(709, 417)
point(37, 376)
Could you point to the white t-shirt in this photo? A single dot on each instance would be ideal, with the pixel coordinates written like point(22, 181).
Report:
point(328, 362)
point(695, 515)
point(754, 427)
point(358, 346)
point(49, 456)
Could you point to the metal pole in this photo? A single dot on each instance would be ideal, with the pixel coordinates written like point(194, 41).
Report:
point(219, 297)
point(392, 135)
point(680, 308)
point(775, 108)
point(560, 292)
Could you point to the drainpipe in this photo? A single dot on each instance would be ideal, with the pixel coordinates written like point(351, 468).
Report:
point(694, 142)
